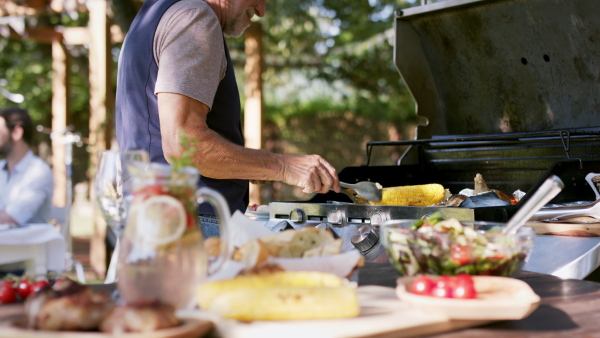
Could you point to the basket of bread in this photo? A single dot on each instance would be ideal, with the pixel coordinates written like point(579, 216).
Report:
point(304, 243)
point(305, 249)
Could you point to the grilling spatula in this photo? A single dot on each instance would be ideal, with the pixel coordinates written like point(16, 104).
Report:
point(367, 190)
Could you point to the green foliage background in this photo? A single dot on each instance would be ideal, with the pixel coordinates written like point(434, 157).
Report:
point(330, 82)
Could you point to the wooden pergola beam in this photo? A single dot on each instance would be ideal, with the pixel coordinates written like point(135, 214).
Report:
point(60, 121)
point(253, 109)
point(8, 8)
point(81, 35)
point(71, 35)
point(36, 7)
point(101, 113)
point(39, 34)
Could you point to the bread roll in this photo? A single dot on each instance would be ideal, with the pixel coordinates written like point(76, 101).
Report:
point(252, 253)
point(212, 246)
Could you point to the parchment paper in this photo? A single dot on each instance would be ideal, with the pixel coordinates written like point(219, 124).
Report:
point(243, 229)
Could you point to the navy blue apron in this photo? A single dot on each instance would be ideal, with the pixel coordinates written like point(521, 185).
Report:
point(136, 113)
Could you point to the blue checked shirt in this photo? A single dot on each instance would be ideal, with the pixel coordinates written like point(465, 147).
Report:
point(26, 194)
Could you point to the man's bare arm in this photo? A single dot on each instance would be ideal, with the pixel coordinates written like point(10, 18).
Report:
point(218, 158)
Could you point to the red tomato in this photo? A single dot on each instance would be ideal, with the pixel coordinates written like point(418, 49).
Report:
point(189, 220)
point(37, 286)
point(464, 291)
point(8, 294)
point(150, 190)
point(463, 278)
point(444, 281)
point(24, 288)
point(442, 291)
point(498, 256)
point(422, 285)
point(461, 254)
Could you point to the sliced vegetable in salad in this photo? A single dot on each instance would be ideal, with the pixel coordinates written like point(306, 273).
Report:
point(435, 245)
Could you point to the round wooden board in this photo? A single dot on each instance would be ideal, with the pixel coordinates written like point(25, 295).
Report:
point(499, 298)
point(190, 327)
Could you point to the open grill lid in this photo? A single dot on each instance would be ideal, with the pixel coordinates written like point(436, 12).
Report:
point(510, 89)
point(497, 66)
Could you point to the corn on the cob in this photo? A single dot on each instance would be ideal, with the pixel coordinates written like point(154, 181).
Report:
point(207, 292)
point(412, 195)
point(288, 303)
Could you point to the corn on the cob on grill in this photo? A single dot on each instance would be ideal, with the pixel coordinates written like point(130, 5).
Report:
point(288, 303)
point(412, 195)
point(207, 292)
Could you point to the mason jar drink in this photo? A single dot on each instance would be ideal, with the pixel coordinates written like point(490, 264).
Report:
point(161, 255)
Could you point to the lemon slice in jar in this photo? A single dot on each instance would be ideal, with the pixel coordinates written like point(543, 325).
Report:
point(161, 219)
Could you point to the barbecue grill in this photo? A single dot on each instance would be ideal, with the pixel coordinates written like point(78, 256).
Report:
point(509, 89)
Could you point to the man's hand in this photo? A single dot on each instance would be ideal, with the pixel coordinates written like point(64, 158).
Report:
point(311, 173)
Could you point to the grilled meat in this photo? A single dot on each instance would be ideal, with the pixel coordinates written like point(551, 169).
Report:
point(502, 196)
point(455, 200)
point(481, 187)
point(69, 306)
point(145, 318)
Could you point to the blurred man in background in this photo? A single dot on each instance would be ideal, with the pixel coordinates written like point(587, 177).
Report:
point(26, 181)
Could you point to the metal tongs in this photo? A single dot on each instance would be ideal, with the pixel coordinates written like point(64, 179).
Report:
point(550, 188)
point(367, 190)
point(592, 210)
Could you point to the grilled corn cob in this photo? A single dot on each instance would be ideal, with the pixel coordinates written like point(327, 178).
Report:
point(209, 291)
point(412, 195)
point(288, 303)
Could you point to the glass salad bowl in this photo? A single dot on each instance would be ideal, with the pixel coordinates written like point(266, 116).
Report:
point(439, 246)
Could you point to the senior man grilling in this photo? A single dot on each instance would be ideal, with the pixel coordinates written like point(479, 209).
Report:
point(175, 74)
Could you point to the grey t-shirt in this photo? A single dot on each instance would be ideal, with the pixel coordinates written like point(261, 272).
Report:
point(189, 51)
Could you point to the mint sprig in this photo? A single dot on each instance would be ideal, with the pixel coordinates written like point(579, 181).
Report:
point(188, 146)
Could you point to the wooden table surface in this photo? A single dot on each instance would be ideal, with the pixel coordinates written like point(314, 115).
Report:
point(569, 308)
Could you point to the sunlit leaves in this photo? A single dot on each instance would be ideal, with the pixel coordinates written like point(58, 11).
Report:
point(338, 41)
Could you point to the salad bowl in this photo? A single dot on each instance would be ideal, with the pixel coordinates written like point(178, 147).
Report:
point(438, 246)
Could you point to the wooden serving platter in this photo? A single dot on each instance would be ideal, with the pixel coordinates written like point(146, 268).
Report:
point(576, 226)
point(14, 326)
point(382, 315)
point(498, 298)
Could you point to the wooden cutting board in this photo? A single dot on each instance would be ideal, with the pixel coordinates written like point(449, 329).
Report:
point(576, 226)
point(382, 315)
point(14, 326)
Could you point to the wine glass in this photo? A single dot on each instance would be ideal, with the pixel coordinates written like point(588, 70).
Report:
point(113, 187)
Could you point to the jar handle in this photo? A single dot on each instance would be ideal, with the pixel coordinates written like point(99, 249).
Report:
point(222, 208)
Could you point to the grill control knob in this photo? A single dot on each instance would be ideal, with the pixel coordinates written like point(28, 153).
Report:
point(365, 238)
point(378, 219)
point(297, 216)
point(335, 217)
